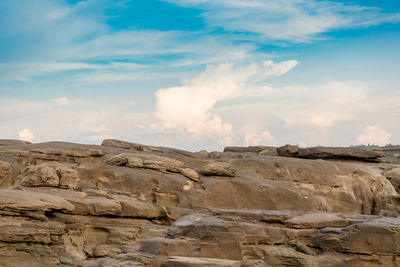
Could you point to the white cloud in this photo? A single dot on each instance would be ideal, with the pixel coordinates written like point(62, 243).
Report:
point(263, 138)
point(189, 108)
point(26, 135)
point(61, 101)
point(24, 71)
point(294, 20)
point(374, 135)
point(318, 106)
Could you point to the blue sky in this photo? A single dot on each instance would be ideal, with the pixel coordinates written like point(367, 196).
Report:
point(199, 73)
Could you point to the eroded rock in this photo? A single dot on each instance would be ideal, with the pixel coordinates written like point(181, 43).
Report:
point(64, 206)
point(339, 153)
point(50, 174)
point(218, 169)
point(154, 162)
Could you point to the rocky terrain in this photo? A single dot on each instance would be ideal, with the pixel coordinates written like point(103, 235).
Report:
point(127, 204)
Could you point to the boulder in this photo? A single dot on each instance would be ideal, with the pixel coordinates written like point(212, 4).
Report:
point(50, 174)
point(288, 151)
point(394, 177)
point(218, 169)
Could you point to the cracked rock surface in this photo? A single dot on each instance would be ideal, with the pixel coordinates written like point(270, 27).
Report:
point(127, 204)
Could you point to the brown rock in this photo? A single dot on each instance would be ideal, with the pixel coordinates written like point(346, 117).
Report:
point(154, 162)
point(6, 174)
point(218, 169)
point(338, 153)
point(194, 261)
point(215, 154)
point(18, 200)
point(13, 142)
point(394, 178)
point(105, 250)
point(135, 208)
point(270, 151)
point(40, 176)
point(249, 149)
point(129, 145)
point(50, 174)
point(317, 220)
point(288, 151)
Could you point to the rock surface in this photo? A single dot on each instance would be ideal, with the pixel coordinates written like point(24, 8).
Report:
point(127, 204)
point(338, 153)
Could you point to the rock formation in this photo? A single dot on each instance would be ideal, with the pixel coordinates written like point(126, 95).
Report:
point(127, 204)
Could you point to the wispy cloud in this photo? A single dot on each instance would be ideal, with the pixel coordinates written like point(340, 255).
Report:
point(293, 20)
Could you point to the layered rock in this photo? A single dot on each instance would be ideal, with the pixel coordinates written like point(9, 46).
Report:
point(286, 238)
point(126, 204)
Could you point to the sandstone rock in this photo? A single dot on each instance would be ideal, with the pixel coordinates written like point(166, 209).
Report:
point(13, 142)
point(53, 151)
point(203, 154)
point(189, 173)
point(338, 153)
point(288, 151)
point(165, 246)
point(249, 149)
point(24, 201)
point(394, 178)
point(270, 151)
point(128, 145)
point(105, 250)
point(317, 220)
point(50, 174)
point(273, 211)
point(215, 154)
point(6, 174)
point(237, 238)
point(192, 261)
point(154, 162)
point(40, 176)
point(218, 169)
point(135, 208)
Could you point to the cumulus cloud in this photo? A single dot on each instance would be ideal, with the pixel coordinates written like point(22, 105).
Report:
point(26, 135)
point(189, 108)
point(374, 135)
point(263, 138)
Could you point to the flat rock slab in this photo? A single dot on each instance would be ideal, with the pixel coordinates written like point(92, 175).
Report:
point(317, 220)
point(248, 149)
point(192, 262)
point(338, 153)
point(218, 169)
point(13, 142)
point(18, 200)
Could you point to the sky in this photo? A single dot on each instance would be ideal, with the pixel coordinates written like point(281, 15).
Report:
point(201, 74)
